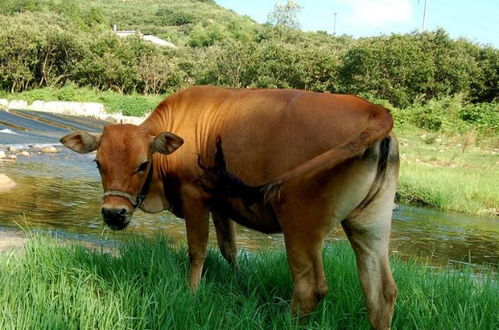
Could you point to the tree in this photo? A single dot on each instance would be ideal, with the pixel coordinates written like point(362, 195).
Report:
point(285, 15)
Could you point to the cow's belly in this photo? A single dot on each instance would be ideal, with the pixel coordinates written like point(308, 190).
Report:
point(258, 216)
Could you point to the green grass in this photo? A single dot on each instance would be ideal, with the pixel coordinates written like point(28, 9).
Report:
point(452, 173)
point(65, 286)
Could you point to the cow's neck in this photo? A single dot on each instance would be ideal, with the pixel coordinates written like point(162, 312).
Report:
point(199, 133)
point(161, 195)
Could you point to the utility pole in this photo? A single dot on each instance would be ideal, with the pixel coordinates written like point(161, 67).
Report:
point(334, 26)
point(424, 15)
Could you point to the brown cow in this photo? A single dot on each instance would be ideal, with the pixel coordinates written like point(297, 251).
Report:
point(272, 160)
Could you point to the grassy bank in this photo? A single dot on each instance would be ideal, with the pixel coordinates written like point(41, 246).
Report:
point(56, 286)
point(449, 172)
point(449, 155)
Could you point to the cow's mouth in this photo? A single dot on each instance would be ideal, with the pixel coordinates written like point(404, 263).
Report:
point(116, 219)
point(118, 226)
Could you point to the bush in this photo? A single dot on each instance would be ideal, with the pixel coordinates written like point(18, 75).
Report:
point(35, 53)
point(407, 68)
point(484, 116)
point(129, 105)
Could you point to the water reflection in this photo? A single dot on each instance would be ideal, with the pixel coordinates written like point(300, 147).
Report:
point(62, 192)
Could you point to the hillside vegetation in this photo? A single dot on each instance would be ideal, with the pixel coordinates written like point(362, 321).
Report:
point(52, 42)
point(443, 89)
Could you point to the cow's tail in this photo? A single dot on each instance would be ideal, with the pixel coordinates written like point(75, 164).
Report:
point(379, 127)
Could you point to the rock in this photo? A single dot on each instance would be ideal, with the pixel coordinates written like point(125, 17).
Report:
point(2, 154)
point(24, 153)
point(14, 157)
point(48, 150)
point(6, 183)
point(17, 104)
point(12, 149)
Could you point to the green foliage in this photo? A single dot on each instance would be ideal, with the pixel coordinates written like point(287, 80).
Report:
point(407, 68)
point(129, 105)
point(484, 116)
point(50, 43)
point(37, 50)
point(450, 115)
point(169, 16)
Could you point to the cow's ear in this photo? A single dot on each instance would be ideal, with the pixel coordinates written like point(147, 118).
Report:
point(81, 142)
point(166, 143)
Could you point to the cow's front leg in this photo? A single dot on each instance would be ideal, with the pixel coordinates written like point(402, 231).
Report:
point(196, 221)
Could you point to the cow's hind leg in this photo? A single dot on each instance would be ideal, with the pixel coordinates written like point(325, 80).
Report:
point(226, 237)
point(305, 229)
point(369, 234)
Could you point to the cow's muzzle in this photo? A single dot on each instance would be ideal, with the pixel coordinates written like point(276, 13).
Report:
point(116, 218)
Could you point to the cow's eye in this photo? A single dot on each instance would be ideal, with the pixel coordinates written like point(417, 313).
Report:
point(143, 167)
point(97, 164)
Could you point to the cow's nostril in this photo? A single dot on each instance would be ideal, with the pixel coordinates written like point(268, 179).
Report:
point(106, 212)
point(113, 212)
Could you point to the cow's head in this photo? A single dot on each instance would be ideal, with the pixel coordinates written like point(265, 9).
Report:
point(124, 160)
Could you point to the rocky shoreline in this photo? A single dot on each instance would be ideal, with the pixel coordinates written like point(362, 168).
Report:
point(11, 154)
point(81, 109)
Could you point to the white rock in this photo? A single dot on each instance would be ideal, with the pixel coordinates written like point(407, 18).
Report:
point(6, 183)
point(12, 149)
point(69, 108)
point(48, 150)
point(37, 146)
point(18, 104)
point(24, 153)
point(11, 157)
point(2, 154)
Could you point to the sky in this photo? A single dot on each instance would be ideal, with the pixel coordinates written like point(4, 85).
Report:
point(477, 20)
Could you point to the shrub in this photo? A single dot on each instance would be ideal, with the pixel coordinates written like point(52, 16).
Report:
point(484, 116)
point(406, 68)
point(129, 105)
point(37, 50)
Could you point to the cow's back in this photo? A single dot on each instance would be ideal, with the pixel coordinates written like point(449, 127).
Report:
point(264, 132)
